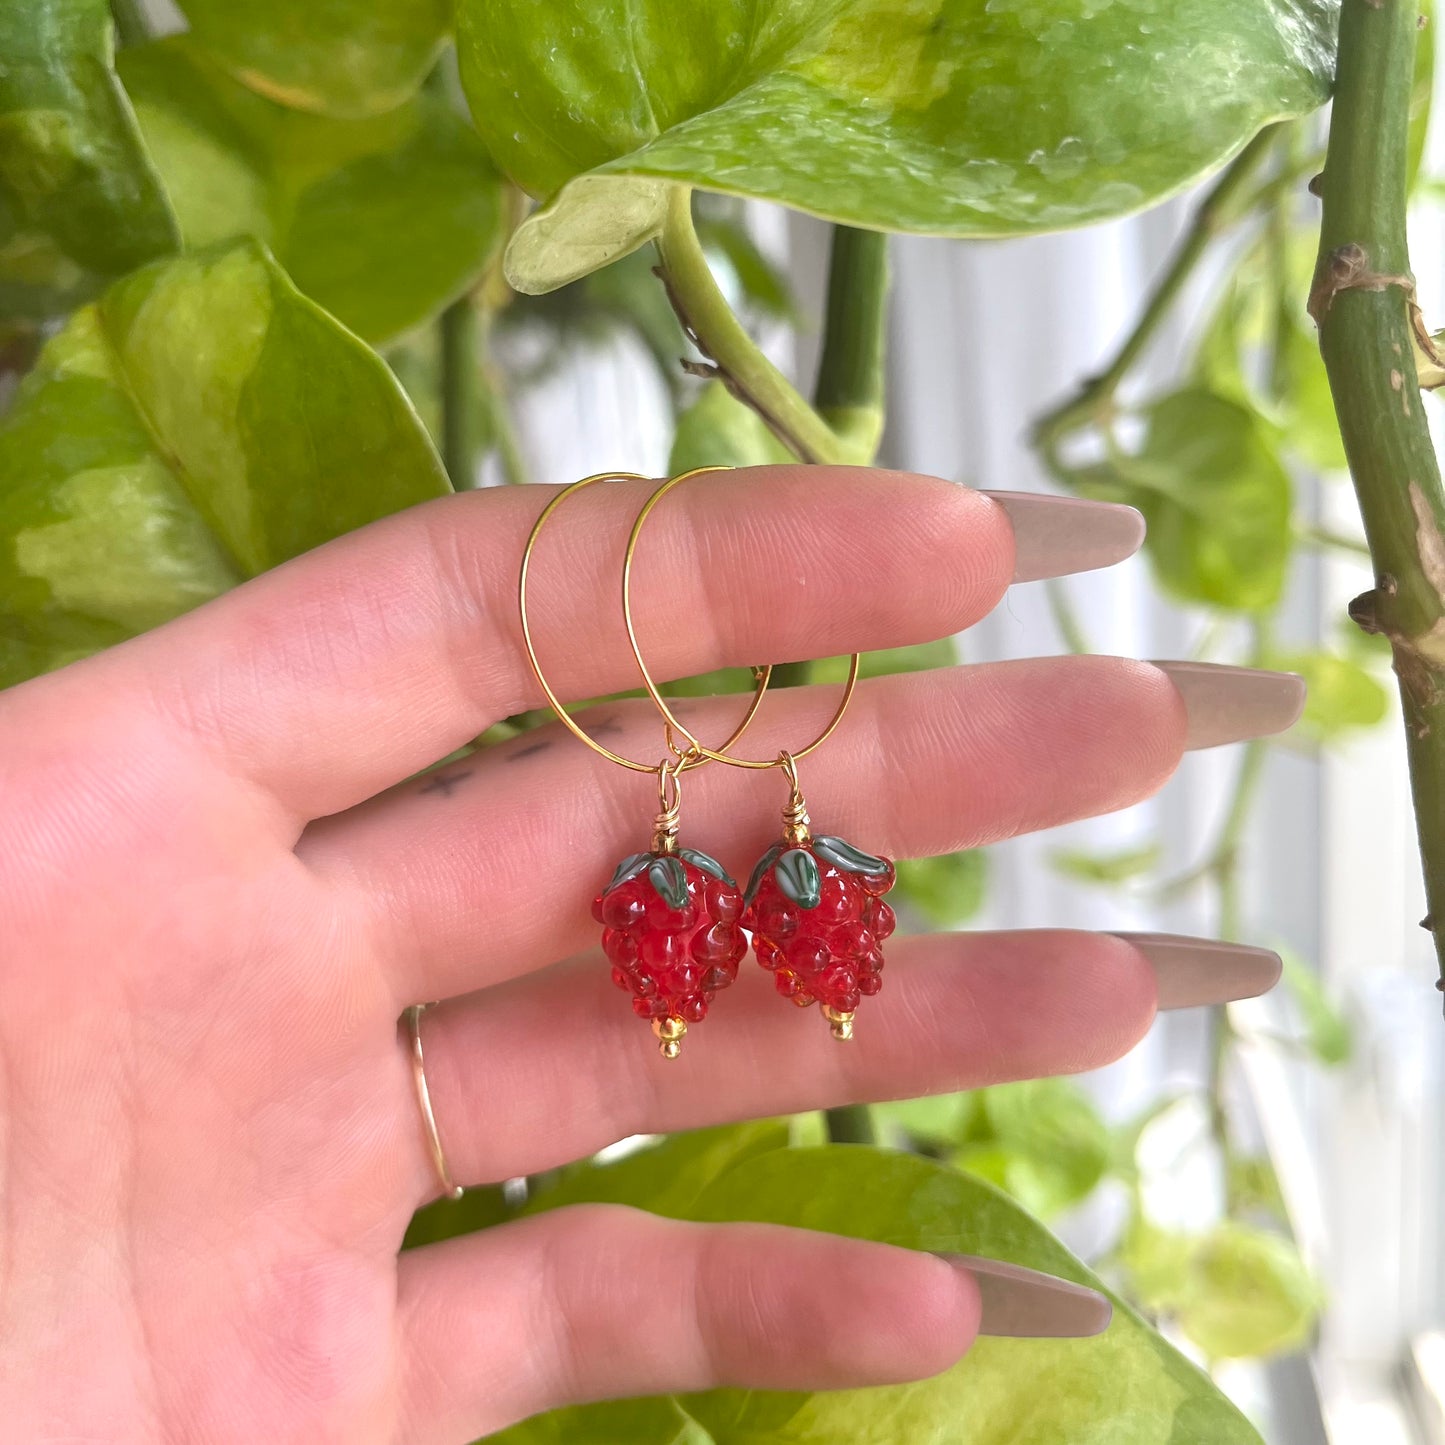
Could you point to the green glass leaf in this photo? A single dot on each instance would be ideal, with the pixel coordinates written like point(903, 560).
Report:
point(947, 890)
point(846, 856)
point(79, 201)
point(708, 864)
point(798, 877)
point(717, 430)
point(669, 881)
point(933, 116)
point(755, 878)
point(630, 867)
point(1215, 495)
point(1344, 696)
point(382, 221)
point(1126, 1386)
point(1234, 1291)
point(200, 423)
point(666, 1177)
point(341, 57)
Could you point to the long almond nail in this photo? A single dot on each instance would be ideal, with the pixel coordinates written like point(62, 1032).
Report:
point(1027, 1304)
point(1054, 536)
point(1196, 971)
point(1230, 704)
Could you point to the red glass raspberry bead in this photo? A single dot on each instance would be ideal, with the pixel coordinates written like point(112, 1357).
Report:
point(818, 923)
point(672, 937)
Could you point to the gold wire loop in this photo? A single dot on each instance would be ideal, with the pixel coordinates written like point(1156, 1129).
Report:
point(719, 754)
point(450, 1188)
point(694, 755)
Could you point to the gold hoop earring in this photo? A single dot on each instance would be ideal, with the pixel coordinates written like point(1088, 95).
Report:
point(670, 914)
point(814, 904)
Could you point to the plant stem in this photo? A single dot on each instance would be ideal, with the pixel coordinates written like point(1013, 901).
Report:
point(848, 394)
point(1361, 299)
point(749, 374)
point(1066, 617)
point(461, 328)
point(850, 1124)
point(1215, 211)
point(131, 25)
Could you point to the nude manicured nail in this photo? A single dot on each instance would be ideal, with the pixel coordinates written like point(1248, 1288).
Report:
point(1055, 536)
point(1230, 704)
point(1196, 971)
point(1025, 1303)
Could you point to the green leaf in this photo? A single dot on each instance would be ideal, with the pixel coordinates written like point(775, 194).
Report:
point(449, 1218)
point(1327, 1034)
point(1122, 866)
point(707, 863)
point(1216, 498)
point(1047, 1141)
point(1343, 695)
point(947, 890)
point(908, 115)
point(1422, 89)
point(658, 1420)
point(717, 430)
point(199, 424)
point(79, 201)
point(1126, 1386)
point(1234, 1291)
point(342, 57)
point(890, 661)
point(845, 856)
point(941, 1119)
point(669, 881)
point(798, 877)
point(667, 1177)
point(1252, 1186)
point(382, 221)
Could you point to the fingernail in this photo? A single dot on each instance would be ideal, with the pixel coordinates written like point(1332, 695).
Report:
point(1230, 704)
point(1026, 1304)
point(1054, 536)
point(1195, 971)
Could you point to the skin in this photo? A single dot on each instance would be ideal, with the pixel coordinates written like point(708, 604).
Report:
point(219, 893)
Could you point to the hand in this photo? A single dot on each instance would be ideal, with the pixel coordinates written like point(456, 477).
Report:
point(211, 1144)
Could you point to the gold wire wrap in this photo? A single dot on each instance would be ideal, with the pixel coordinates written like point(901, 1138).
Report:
point(696, 754)
point(697, 748)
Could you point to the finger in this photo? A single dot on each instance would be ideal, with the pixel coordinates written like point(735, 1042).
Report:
point(598, 1302)
point(957, 1011)
point(354, 666)
point(490, 870)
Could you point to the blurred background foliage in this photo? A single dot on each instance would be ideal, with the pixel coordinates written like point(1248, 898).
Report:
point(254, 291)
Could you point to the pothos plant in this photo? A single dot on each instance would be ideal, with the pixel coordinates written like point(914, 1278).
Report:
point(256, 276)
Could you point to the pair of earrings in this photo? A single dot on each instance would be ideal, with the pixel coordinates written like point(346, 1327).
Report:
point(675, 922)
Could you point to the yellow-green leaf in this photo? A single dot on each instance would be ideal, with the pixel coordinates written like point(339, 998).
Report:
point(382, 220)
point(342, 57)
point(200, 423)
point(79, 201)
point(935, 116)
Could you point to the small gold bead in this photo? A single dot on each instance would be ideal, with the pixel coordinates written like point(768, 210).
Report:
point(840, 1023)
point(671, 1048)
point(671, 1027)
